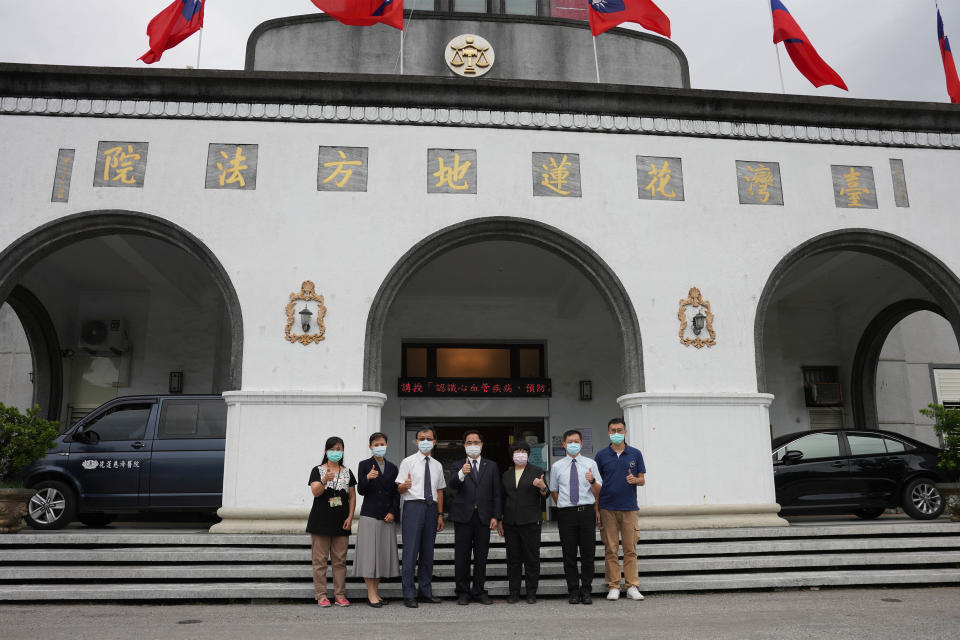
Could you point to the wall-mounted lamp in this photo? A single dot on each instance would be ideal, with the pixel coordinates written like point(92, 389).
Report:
point(586, 390)
point(699, 322)
point(305, 316)
point(176, 382)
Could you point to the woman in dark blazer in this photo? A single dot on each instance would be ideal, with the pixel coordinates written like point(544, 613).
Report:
point(524, 492)
point(376, 553)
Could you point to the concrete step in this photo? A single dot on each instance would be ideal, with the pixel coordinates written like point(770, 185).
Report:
point(303, 590)
point(647, 567)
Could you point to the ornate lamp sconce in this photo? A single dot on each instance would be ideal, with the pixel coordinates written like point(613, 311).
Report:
point(703, 320)
point(308, 296)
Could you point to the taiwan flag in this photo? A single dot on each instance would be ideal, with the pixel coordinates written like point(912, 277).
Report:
point(363, 13)
point(172, 26)
point(804, 56)
point(606, 14)
point(949, 66)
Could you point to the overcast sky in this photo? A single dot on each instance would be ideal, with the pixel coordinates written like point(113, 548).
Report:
point(884, 49)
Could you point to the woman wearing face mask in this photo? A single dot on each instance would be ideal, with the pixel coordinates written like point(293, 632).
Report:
point(330, 520)
point(377, 530)
point(524, 493)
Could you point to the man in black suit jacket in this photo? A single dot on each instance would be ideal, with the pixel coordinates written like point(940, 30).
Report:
point(475, 511)
point(524, 492)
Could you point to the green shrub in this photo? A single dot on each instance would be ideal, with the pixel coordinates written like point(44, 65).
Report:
point(946, 422)
point(24, 439)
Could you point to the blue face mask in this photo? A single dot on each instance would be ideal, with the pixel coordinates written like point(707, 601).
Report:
point(334, 456)
point(380, 451)
point(573, 448)
point(617, 438)
point(425, 446)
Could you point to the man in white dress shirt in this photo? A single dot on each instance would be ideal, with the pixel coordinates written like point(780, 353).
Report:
point(420, 483)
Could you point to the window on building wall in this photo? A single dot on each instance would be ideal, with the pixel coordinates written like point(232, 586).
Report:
point(946, 383)
point(470, 6)
point(520, 7)
point(517, 361)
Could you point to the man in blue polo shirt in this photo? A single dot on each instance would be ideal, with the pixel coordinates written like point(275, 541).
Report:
point(622, 470)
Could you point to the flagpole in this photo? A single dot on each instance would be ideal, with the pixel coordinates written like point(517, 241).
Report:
point(777, 47)
point(199, 46)
point(596, 60)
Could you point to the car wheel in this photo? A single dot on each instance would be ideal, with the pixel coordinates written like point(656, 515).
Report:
point(869, 514)
point(922, 500)
point(53, 506)
point(96, 520)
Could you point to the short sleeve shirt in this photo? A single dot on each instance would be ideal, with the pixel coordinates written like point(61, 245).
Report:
point(617, 494)
point(327, 519)
point(414, 466)
point(560, 480)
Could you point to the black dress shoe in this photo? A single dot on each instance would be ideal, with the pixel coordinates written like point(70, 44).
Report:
point(585, 597)
point(531, 598)
point(384, 602)
point(513, 598)
point(410, 603)
point(463, 599)
point(430, 599)
point(375, 605)
point(574, 598)
point(484, 599)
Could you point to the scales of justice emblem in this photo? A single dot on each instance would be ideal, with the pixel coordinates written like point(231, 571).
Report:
point(469, 55)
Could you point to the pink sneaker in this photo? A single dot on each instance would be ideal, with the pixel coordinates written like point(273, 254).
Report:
point(323, 602)
point(342, 602)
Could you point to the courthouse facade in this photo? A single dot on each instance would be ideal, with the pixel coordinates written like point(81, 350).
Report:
point(341, 249)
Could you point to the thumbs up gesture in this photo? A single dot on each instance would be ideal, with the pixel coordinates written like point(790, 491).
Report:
point(589, 476)
point(466, 468)
point(631, 479)
point(374, 473)
point(328, 475)
point(408, 483)
point(539, 483)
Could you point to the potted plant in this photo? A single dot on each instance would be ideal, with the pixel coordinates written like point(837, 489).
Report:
point(946, 422)
point(24, 439)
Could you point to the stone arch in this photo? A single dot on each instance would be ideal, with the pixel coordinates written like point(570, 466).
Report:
point(513, 229)
point(927, 269)
point(47, 364)
point(26, 251)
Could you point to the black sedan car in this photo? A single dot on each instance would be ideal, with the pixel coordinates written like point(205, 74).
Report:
point(859, 472)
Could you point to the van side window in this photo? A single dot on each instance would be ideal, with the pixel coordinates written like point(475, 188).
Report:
point(125, 422)
point(193, 419)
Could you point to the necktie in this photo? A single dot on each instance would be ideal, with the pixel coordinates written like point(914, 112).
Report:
point(476, 474)
point(427, 488)
point(574, 483)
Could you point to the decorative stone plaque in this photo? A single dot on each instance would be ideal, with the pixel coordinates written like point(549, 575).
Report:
point(759, 182)
point(451, 170)
point(469, 55)
point(854, 187)
point(121, 164)
point(61, 179)
point(660, 178)
point(899, 183)
point(232, 166)
point(342, 169)
point(556, 174)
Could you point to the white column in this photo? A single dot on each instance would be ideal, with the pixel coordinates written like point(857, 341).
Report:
point(274, 438)
point(707, 457)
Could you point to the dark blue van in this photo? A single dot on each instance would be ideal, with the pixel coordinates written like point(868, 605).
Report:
point(131, 455)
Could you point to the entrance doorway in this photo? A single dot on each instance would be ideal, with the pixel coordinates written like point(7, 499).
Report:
point(498, 435)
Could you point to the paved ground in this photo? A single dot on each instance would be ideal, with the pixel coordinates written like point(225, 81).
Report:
point(877, 614)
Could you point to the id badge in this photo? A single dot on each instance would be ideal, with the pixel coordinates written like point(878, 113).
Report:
point(336, 501)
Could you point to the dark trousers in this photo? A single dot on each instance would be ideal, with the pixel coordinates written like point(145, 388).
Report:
point(418, 530)
point(523, 553)
point(578, 531)
point(471, 538)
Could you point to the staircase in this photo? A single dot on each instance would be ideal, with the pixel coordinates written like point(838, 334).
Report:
point(92, 565)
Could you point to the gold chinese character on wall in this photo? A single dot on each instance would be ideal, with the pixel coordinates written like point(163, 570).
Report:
point(342, 169)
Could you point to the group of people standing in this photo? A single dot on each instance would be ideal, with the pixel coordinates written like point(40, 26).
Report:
point(588, 494)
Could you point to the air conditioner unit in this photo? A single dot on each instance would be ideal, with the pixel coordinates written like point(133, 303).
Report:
point(104, 337)
point(826, 394)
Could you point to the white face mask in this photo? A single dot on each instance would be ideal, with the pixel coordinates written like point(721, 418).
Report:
point(426, 446)
point(473, 450)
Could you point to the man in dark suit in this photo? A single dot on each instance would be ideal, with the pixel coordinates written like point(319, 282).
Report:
point(524, 490)
point(475, 511)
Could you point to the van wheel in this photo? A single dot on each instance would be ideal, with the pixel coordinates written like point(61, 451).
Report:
point(922, 500)
point(53, 506)
point(96, 520)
